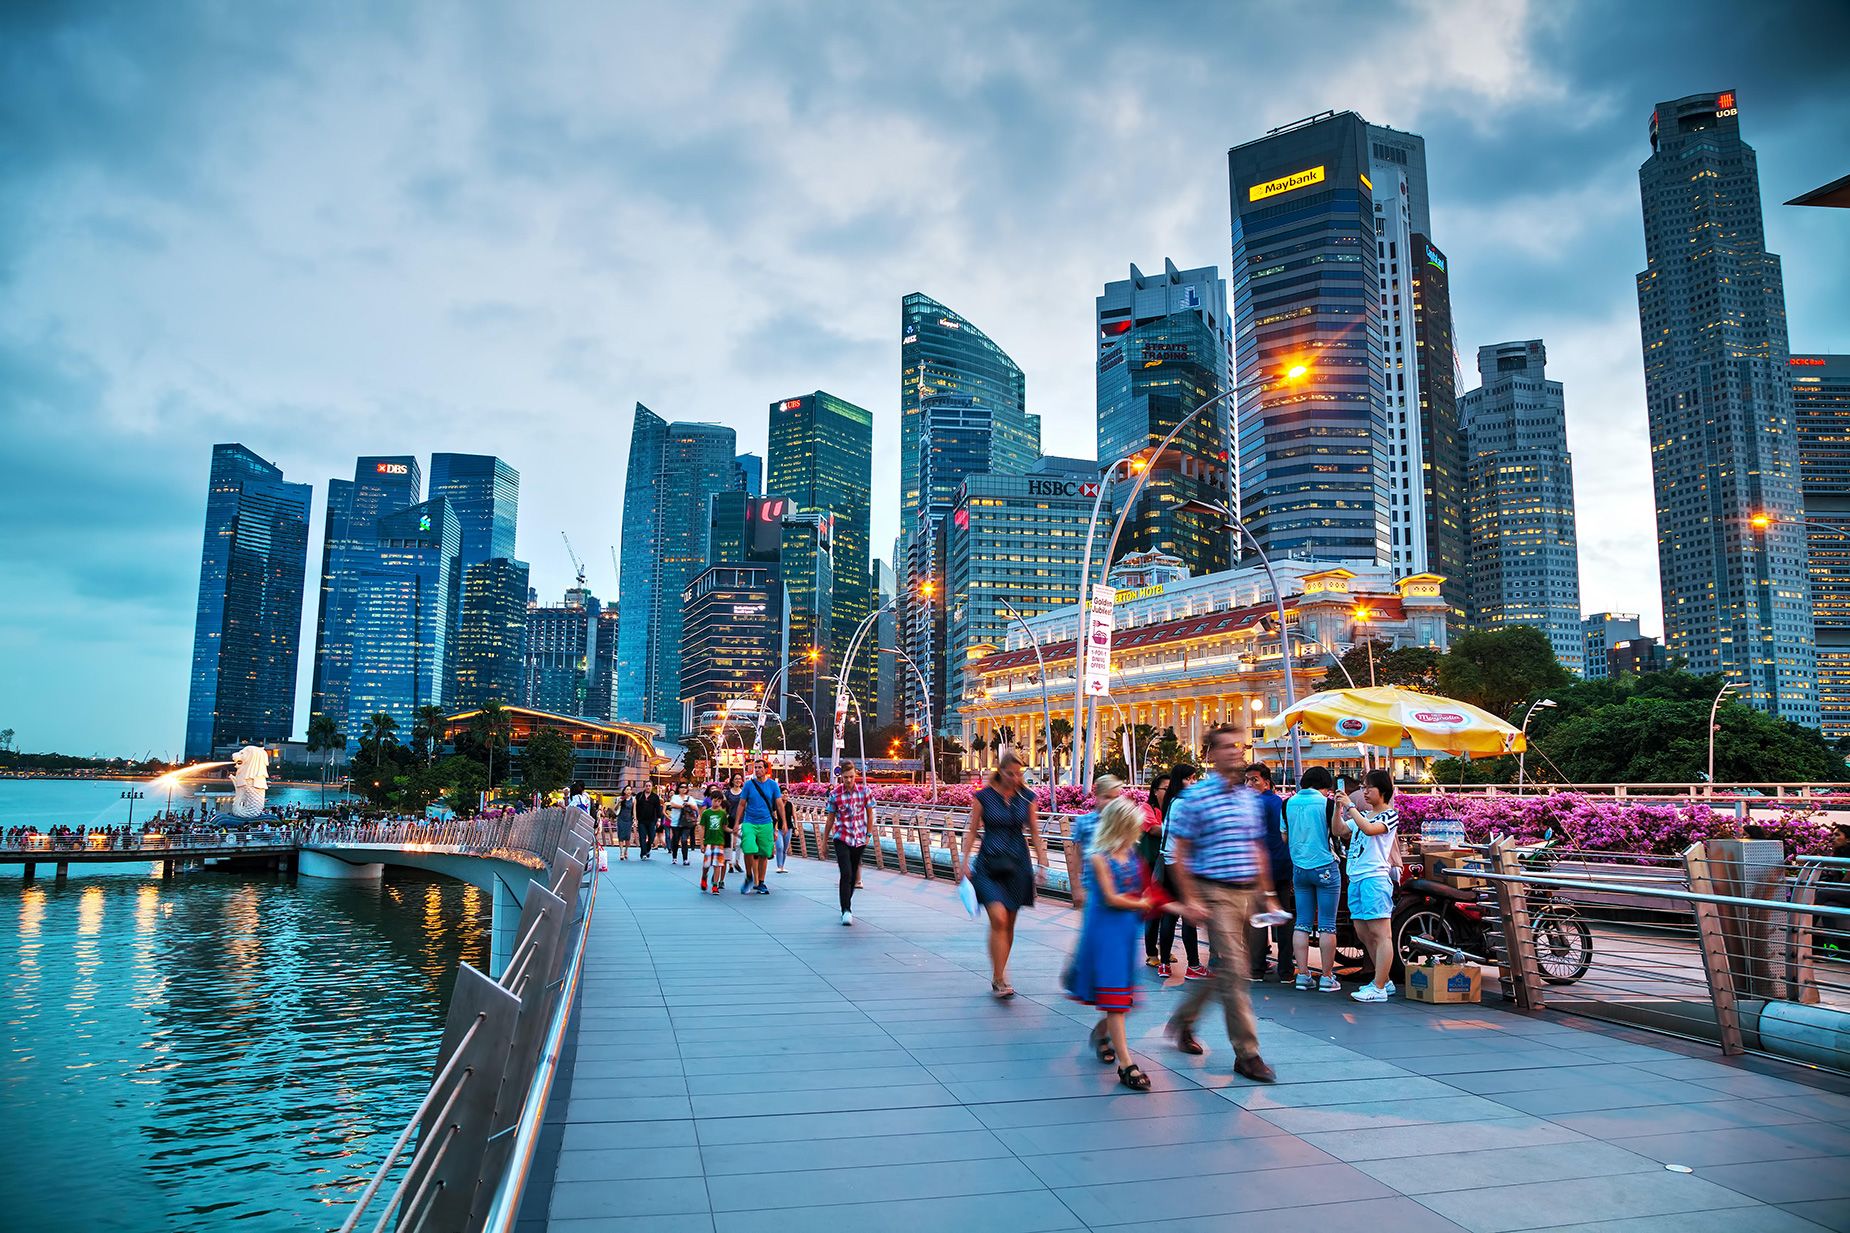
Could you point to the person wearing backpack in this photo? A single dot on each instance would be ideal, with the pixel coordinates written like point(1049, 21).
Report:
point(758, 812)
point(1316, 877)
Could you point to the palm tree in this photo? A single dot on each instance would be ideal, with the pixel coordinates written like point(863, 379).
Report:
point(427, 730)
point(6, 738)
point(491, 727)
point(324, 737)
point(1061, 732)
point(379, 729)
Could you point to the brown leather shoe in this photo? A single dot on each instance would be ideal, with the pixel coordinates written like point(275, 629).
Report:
point(1185, 1040)
point(1254, 1068)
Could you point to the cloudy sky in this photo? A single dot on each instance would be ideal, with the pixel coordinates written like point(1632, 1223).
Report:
point(332, 229)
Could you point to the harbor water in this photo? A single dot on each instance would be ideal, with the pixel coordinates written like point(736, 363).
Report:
point(216, 1051)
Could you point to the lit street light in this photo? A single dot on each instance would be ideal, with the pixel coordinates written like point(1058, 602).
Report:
point(1727, 688)
point(1522, 759)
point(931, 744)
point(1363, 614)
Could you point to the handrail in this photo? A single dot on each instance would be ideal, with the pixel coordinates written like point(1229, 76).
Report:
point(1639, 890)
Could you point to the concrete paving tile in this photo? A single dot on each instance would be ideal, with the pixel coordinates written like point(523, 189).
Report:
point(1663, 1119)
point(825, 1100)
point(689, 1222)
point(620, 1068)
point(1492, 1081)
point(1823, 1106)
point(1745, 1144)
point(1547, 1205)
point(630, 1197)
point(629, 1109)
point(1828, 1214)
point(1588, 1097)
point(892, 1183)
point(1729, 1220)
point(1505, 1166)
point(753, 1158)
point(626, 1136)
point(1199, 1157)
point(1033, 1211)
point(792, 1128)
point(1287, 1095)
point(1220, 1194)
point(1378, 1114)
point(1130, 1134)
point(1119, 1105)
point(727, 1079)
point(587, 1087)
point(1377, 1215)
point(643, 1159)
point(1781, 1181)
point(1099, 1081)
point(1394, 1142)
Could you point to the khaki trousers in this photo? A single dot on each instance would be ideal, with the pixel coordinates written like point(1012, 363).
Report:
point(1229, 910)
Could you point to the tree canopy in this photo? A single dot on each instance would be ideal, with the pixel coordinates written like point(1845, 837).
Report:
point(1499, 668)
point(546, 762)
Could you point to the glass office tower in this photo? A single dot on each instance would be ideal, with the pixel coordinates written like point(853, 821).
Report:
point(1314, 456)
point(674, 472)
point(484, 494)
point(822, 460)
point(1162, 353)
point(405, 604)
point(1821, 407)
point(490, 634)
point(1731, 544)
point(381, 485)
point(248, 622)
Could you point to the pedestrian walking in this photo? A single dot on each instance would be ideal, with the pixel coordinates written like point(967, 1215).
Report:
point(626, 823)
point(1103, 970)
point(1312, 832)
point(1151, 849)
point(1262, 939)
point(781, 835)
point(1221, 878)
point(713, 827)
point(848, 820)
point(1374, 865)
point(1003, 814)
point(735, 859)
point(683, 815)
point(1105, 789)
point(758, 806)
point(648, 817)
point(1166, 926)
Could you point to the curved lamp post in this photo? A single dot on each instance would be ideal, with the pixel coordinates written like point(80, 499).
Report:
point(1522, 759)
point(1727, 688)
point(1046, 708)
point(931, 743)
point(841, 686)
point(815, 749)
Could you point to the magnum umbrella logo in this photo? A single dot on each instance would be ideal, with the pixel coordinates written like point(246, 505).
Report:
point(1349, 725)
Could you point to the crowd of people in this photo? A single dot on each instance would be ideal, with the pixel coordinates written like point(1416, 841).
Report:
point(1220, 858)
point(178, 827)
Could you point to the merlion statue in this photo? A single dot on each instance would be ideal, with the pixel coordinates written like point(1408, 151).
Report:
point(249, 780)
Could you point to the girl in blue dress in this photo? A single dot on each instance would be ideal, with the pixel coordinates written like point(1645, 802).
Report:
point(1104, 970)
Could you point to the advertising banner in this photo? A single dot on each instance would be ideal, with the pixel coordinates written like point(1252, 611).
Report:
point(1100, 615)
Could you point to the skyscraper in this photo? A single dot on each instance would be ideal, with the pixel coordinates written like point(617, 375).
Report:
point(248, 622)
point(381, 485)
point(962, 404)
point(560, 654)
point(1821, 408)
point(1162, 353)
point(1400, 374)
point(1525, 556)
point(490, 634)
point(1314, 458)
point(1601, 631)
point(1442, 440)
point(822, 451)
point(405, 605)
point(750, 476)
point(484, 494)
point(732, 643)
point(1724, 452)
point(885, 638)
point(674, 471)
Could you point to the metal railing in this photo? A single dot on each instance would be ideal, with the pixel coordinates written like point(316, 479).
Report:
point(477, 1127)
point(526, 838)
point(927, 841)
point(1728, 943)
point(164, 843)
point(1753, 793)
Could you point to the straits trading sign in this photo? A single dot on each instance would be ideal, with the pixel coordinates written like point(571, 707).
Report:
point(1286, 184)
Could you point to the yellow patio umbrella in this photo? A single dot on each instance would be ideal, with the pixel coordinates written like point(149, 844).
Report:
point(1385, 715)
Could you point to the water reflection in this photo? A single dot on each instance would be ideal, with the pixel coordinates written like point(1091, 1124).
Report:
point(220, 1050)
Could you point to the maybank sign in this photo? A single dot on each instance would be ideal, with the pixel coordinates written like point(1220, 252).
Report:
point(1285, 184)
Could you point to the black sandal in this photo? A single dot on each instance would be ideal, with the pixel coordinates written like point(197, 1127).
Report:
point(1132, 1076)
point(1101, 1045)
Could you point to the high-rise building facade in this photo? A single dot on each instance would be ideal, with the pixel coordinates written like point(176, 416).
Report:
point(248, 621)
point(490, 634)
point(749, 477)
point(560, 653)
point(381, 485)
point(732, 644)
point(1442, 438)
point(1821, 409)
point(1724, 449)
point(1600, 632)
point(1014, 545)
point(885, 638)
point(484, 494)
point(962, 404)
point(821, 459)
point(1400, 374)
point(1162, 353)
point(674, 472)
point(1525, 553)
point(406, 599)
point(1306, 284)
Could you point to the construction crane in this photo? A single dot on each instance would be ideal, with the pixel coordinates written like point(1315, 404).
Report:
point(616, 571)
point(576, 563)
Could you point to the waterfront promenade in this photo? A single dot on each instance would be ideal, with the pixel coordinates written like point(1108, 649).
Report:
point(748, 1065)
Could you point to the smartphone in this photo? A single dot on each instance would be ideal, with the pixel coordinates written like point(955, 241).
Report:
point(1342, 786)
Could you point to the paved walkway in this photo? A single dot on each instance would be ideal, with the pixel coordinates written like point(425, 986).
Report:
point(751, 1066)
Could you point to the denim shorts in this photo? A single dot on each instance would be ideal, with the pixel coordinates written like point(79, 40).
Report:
point(1371, 897)
point(1316, 890)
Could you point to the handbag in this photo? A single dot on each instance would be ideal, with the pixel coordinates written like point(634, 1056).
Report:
point(1157, 898)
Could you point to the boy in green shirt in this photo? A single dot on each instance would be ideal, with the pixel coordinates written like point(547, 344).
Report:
point(714, 823)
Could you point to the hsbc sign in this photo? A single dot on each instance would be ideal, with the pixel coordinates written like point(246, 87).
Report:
point(1061, 488)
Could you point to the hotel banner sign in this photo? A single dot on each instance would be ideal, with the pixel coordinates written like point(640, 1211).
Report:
point(1101, 614)
point(1286, 184)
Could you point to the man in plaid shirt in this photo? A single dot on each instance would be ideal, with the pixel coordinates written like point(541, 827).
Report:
point(850, 811)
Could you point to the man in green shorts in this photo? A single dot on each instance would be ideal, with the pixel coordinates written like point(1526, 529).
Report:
point(758, 806)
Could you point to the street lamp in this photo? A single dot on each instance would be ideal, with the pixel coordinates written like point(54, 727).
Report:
point(1230, 523)
point(131, 796)
point(1727, 688)
point(1143, 465)
point(1363, 614)
point(931, 743)
point(815, 749)
point(1046, 708)
point(1522, 759)
point(841, 682)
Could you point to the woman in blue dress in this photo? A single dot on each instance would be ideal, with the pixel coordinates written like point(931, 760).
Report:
point(1104, 970)
point(1003, 813)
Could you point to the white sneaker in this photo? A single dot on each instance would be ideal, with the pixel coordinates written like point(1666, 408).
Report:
point(847, 918)
point(783, 871)
point(1329, 984)
point(1370, 993)
point(1388, 989)
point(1303, 980)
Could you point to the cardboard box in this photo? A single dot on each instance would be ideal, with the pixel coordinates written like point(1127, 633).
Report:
point(1445, 982)
point(1440, 861)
